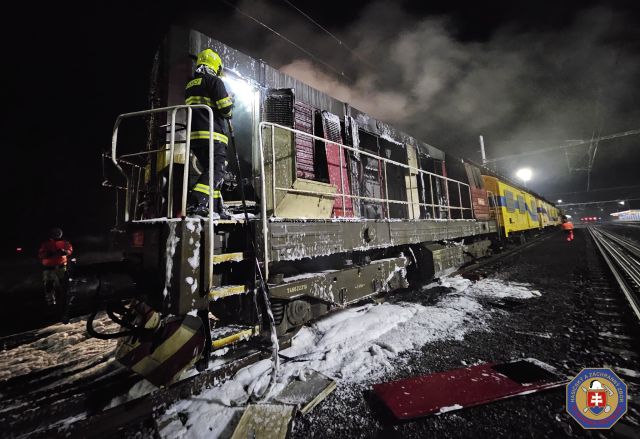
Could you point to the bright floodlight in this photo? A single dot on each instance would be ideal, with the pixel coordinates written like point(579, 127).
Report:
point(621, 203)
point(559, 201)
point(241, 90)
point(524, 174)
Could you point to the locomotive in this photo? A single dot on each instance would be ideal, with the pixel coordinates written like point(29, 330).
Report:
point(332, 206)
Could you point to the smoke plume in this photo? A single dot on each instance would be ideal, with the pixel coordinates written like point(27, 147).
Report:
point(520, 89)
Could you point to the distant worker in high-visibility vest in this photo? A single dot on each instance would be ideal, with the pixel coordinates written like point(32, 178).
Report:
point(567, 226)
point(53, 255)
point(206, 87)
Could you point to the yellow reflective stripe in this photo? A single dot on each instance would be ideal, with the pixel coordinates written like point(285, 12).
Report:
point(194, 100)
point(203, 188)
point(199, 135)
point(194, 82)
point(196, 135)
point(221, 137)
point(224, 103)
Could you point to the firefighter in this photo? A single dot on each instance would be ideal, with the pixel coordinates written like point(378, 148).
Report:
point(53, 254)
point(567, 226)
point(206, 87)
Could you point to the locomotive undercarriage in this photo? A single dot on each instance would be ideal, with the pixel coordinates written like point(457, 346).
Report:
point(304, 282)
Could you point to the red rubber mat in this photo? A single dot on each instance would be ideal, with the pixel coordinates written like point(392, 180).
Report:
point(455, 389)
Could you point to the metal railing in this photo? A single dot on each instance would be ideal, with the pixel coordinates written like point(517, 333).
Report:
point(386, 200)
point(185, 181)
point(274, 187)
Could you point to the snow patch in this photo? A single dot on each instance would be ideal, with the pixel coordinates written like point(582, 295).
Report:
point(449, 409)
point(172, 242)
point(354, 346)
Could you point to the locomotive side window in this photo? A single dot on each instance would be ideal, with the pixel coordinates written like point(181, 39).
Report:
point(395, 177)
point(370, 177)
point(432, 190)
point(321, 169)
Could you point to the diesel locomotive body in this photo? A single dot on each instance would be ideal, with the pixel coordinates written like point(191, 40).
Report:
point(332, 206)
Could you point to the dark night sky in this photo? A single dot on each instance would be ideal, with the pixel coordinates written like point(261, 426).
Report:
point(69, 72)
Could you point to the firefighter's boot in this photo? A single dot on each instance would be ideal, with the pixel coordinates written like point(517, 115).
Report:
point(198, 204)
point(218, 207)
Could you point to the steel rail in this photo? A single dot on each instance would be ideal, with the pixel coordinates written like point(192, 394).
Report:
point(620, 255)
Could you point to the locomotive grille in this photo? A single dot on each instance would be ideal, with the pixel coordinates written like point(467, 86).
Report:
point(305, 159)
point(278, 107)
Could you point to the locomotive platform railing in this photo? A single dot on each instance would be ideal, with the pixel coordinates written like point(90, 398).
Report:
point(448, 207)
point(172, 111)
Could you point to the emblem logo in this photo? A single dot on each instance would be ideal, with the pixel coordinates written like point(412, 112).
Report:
point(596, 398)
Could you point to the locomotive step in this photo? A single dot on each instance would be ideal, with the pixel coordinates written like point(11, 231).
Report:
point(228, 257)
point(228, 335)
point(226, 290)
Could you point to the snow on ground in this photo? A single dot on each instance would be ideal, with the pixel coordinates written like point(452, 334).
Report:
point(59, 344)
point(354, 346)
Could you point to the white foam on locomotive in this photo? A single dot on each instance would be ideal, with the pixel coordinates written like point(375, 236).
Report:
point(355, 346)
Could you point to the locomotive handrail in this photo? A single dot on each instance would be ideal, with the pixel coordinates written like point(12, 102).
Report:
point(386, 199)
point(185, 181)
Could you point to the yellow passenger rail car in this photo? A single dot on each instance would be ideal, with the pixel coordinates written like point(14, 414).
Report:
point(518, 210)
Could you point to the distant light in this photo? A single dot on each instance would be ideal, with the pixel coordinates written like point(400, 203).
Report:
point(18, 249)
point(524, 174)
point(559, 201)
point(621, 203)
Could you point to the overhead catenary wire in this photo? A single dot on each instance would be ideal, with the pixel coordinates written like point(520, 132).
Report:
point(570, 144)
point(598, 202)
point(288, 40)
point(612, 188)
point(325, 30)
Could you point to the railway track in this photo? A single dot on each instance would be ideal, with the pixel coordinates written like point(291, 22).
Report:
point(91, 396)
point(42, 407)
point(622, 255)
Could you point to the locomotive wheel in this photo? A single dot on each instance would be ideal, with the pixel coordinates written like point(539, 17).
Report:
point(298, 312)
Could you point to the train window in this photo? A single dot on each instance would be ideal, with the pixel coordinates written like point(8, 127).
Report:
point(370, 177)
point(522, 207)
point(395, 176)
point(509, 201)
point(321, 167)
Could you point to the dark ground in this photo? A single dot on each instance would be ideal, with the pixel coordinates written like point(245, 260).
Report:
point(577, 306)
point(21, 289)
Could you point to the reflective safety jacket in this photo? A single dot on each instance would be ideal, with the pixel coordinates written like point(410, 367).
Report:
point(206, 88)
point(54, 252)
point(567, 226)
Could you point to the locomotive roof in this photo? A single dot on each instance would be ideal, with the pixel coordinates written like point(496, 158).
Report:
point(263, 75)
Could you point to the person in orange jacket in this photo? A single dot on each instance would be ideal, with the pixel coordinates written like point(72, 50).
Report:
point(567, 226)
point(53, 254)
